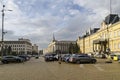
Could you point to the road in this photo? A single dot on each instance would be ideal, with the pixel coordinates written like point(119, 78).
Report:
point(38, 69)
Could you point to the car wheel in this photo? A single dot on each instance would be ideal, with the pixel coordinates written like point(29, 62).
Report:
point(93, 61)
point(78, 62)
point(18, 61)
point(4, 62)
point(67, 61)
point(46, 59)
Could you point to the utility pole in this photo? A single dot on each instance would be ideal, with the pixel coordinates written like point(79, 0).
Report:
point(3, 32)
point(2, 46)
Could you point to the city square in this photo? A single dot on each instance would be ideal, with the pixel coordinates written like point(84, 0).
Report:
point(59, 40)
point(38, 69)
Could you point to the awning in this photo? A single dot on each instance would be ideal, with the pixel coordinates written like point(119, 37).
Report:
point(99, 41)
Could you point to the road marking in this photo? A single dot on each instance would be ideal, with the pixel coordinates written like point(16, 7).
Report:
point(81, 66)
point(42, 60)
point(98, 67)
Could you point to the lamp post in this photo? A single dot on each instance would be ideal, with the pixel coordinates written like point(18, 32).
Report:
point(2, 46)
point(3, 32)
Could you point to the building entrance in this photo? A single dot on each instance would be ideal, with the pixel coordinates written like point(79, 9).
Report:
point(99, 45)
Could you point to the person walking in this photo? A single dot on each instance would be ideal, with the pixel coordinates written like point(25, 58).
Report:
point(59, 59)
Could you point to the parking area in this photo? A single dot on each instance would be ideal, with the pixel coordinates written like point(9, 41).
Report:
point(38, 69)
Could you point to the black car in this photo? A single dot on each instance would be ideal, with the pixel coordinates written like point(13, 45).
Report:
point(50, 57)
point(37, 57)
point(81, 58)
point(8, 59)
point(25, 57)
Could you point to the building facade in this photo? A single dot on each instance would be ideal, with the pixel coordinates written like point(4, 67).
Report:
point(107, 37)
point(35, 49)
point(22, 46)
point(58, 46)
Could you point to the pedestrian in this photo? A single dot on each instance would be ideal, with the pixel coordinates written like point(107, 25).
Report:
point(59, 59)
point(92, 55)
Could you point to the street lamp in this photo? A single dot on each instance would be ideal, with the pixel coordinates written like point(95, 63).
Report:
point(3, 32)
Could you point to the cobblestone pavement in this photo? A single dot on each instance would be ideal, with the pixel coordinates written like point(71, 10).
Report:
point(38, 69)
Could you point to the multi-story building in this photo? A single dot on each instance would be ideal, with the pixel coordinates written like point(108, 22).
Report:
point(35, 48)
point(107, 37)
point(58, 46)
point(40, 52)
point(22, 46)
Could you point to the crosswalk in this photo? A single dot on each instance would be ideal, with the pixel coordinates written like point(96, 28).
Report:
point(96, 66)
point(81, 66)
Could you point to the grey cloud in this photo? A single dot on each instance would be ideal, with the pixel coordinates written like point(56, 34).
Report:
point(9, 35)
point(60, 18)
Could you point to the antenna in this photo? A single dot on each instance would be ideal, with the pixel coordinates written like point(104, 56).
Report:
point(110, 7)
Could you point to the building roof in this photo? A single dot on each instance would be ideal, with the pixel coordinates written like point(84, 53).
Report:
point(16, 42)
point(111, 19)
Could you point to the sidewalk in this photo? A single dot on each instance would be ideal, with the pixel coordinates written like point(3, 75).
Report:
point(103, 61)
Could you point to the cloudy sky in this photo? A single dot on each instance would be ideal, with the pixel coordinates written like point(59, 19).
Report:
point(37, 20)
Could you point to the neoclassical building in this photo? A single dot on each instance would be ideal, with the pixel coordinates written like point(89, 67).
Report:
point(22, 46)
point(107, 37)
point(58, 46)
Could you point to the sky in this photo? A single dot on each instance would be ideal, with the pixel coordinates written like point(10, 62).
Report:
point(38, 20)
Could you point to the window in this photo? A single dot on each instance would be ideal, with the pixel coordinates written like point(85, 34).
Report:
point(110, 46)
point(115, 34)
point(119, 46)
point(110, 35)
point(119, 33)
point(115, 46)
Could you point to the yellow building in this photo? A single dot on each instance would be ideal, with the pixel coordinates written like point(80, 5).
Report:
point(107, 37)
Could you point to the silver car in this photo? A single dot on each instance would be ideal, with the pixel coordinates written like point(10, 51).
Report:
point(82, 58)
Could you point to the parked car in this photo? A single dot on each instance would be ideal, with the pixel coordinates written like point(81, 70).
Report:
point(37, 57)
point(66, 57)
point(81, 58)
point(100, 56)
point(50, 57)
point(25, 57)
point(115, 57)
point(8, 59)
